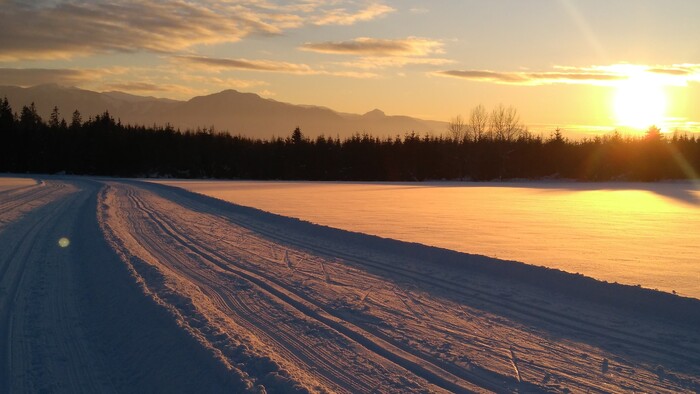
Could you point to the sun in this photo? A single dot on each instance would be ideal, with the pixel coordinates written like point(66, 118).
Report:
point(640, 102)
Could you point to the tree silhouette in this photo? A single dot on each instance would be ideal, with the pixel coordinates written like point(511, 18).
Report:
point(478, 122)
point(653, 133)
point(457, 128)
point(504, 123)
point(7, 118)
point(297, 136)
point(54, 123)
point(103, 146)
point(29, 119)
point(76, 120)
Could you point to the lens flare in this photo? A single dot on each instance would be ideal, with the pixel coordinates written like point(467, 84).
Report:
point(64, 242)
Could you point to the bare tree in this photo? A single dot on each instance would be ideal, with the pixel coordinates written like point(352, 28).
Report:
point(457, 128)
point(504, 123)
point(478, 122)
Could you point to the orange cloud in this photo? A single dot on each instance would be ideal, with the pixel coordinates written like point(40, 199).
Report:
point(344, 18)
point(596, 75)
point(245, 64)
point(25, 77)
point(219, 64)
point(48, 29)
point(137, 87)
point(364, 46)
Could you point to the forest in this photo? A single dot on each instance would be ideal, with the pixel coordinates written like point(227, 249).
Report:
point(482, 150)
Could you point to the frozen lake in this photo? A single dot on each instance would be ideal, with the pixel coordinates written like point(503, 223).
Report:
point(633, 233)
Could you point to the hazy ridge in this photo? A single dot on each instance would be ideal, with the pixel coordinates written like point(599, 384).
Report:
point(238, 113)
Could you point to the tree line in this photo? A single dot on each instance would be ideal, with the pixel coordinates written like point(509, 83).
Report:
point(487, 146)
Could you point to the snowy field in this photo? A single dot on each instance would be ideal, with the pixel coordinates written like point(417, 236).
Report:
point(126, 286)
point(632, 233)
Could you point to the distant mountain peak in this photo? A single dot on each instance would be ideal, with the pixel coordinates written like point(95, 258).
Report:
point(375, 113)
point(230, 91)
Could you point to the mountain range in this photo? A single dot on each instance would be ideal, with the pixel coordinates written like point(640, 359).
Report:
point(235, 112)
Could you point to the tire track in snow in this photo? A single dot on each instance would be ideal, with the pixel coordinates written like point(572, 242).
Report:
point(218, 263)
point(71, 319)
point(639, 343)
point(212, 286)
point(14, 198)
point(416, 362)
point(62, 360)
point(522, 308)
point(408, 360)
point(15, 203)
point(486, 379)
point(186, 225)
point(12, 275)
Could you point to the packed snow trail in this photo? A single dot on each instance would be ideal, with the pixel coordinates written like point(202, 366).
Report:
point(332, 315)
point(165, 290)
point(73, 320)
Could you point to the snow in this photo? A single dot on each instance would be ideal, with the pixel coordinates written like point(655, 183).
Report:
point(7, 184)
point(632, 233)
point(163, 290)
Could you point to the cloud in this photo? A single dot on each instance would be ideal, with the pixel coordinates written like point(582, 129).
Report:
point(137, 87)
point(83, 27)
point(364, 46)
point(245, 64)
point(377, 63)
point(377, 53)
point(595, 75)
point(350, 74)
point(533, 78)
point(50, 29)
point(25, 77)
point(219, 64)
point(344, 18)
point(161, 89)
point(228, 83)
point(171, 79)
point(677, 70)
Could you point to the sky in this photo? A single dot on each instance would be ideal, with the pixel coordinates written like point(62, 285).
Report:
point(587, 64)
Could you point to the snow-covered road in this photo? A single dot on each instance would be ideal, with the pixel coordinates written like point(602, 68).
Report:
point(162, 290)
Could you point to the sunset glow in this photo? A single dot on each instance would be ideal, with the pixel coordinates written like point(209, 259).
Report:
point(579, 65)
point(358, 196)
point(640, 102)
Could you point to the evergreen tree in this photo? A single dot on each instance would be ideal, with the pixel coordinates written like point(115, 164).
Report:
point(54, 123)
point(7, 118)
point(76, 121)
point(297, 136)
point(29, 119)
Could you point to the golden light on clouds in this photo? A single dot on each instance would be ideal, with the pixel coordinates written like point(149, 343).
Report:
point(640, 94)
point(642, 99)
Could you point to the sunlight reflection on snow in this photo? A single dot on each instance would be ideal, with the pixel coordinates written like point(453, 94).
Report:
point(633, 233)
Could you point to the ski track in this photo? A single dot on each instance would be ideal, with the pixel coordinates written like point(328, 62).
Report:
point(213, 298)
point(15, 202)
